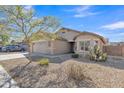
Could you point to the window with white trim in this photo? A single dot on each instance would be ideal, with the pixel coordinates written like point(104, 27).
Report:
point(86, 45)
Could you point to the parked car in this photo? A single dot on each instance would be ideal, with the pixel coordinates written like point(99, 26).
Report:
point(0, 48)
point(3, 49)
point(25, 46)
point(12, 48)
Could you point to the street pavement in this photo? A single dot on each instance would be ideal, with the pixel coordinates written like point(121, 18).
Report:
point(7, 56)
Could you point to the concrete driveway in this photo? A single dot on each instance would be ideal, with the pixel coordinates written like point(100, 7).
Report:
point(7, 56)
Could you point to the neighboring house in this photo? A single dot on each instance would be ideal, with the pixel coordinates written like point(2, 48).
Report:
point(116, 43)
point(74, 41)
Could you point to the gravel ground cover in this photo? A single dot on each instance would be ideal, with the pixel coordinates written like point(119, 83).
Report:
point(68, 74)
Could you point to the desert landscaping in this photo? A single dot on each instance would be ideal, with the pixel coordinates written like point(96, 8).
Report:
point(68, 74)
point(42, 48)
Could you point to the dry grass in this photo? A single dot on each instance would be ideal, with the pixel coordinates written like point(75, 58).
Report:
point(53, 75)
point(103, 76)
point(73, 69)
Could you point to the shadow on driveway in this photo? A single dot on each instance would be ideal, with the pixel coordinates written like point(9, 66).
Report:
point(111, 62)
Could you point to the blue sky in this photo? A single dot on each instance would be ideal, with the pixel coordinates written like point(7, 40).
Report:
point(107, 21)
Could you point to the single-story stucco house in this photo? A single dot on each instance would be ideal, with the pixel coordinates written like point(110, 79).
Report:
point(74, 41)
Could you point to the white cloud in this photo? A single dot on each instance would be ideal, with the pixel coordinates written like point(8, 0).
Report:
point(82, 8)
point(82, 11)
point(78, 9)
point(121, 34)
point(84, 14)
point(114, 26)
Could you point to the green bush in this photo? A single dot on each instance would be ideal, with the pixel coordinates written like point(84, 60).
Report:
point(44, 61)
point(96, 54)
point(75, 55)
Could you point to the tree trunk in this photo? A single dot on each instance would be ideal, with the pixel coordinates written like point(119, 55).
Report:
point(29, 53)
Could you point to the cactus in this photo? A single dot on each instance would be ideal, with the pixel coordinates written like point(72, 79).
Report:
point(96, 54)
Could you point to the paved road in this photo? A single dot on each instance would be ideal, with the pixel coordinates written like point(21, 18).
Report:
point(12, 56)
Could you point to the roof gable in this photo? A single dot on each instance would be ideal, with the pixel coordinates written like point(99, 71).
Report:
point(96, 35)
point(83, 33)
point(68, 29)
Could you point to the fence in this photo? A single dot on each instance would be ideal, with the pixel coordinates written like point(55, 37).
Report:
point(114, 50)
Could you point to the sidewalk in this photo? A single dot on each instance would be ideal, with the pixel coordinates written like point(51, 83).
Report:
point(5, 79)
point(12, 56)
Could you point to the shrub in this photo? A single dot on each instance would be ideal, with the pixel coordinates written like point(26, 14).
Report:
point(44, 61)
point(96, 54)
point(72, 69)
point(75, 55)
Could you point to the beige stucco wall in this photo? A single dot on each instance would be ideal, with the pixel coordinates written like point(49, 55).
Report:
point(88, 37)
point(41, 47)
point(68, 35)
point(55, 47)
point(114, 50)
point(60, 47)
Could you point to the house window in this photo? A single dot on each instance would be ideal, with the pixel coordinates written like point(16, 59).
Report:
point(87, 45)
point(84, 45)
point(93, 43)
